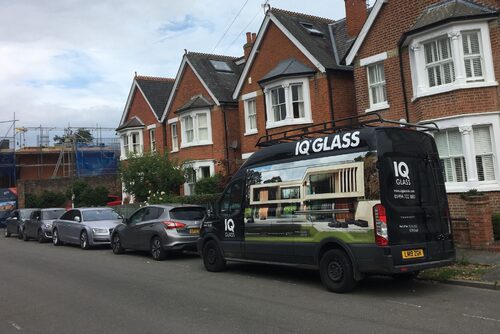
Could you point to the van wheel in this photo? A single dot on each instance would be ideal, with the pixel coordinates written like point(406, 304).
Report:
point(7, 233)
point(212, 257)
point(406, 276)
point(336, 271)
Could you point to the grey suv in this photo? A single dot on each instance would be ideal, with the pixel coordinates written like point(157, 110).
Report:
point(159, 229)
point(39, 226)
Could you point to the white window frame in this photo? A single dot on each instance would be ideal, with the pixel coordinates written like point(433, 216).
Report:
point(287, 86)
point(247, 99)
point(196, 165)
point(127, 148)
point(174, 136)
point(455, 34)
point(465, 124)
point(383, 84)
point(196, 140)
point(152, 139)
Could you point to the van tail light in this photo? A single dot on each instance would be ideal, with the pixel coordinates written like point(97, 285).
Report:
point(170, 225)
point(380, 218)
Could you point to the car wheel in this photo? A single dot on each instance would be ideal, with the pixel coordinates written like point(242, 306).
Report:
point(212, 257)
point(40, 236)
point(157, 251)
point(55, 238)
point(116, 244)
point(7, 233)
point(336, 271)
point(19, 233)
point(84, 240)
point(406, 276)
point(25, 236)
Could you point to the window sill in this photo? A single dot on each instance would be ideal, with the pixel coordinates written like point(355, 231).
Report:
point(174, 151)
point(378, 107)
point(196, 144)
point(453, 87)
point(462, 187)
point(251, 132)
point(272, 125)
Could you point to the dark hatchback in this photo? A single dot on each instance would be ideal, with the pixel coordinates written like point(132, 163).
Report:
point(159, 229)
point(14, 223)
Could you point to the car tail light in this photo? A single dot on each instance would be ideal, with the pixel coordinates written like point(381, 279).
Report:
point(170, 225)
point(380, 218)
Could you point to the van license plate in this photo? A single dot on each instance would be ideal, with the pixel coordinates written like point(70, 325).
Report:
point(194, 231)
point(412, 253)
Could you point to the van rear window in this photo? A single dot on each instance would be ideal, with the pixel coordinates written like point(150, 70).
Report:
point(187, 213)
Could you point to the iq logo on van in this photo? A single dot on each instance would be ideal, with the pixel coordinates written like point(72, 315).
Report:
point(325, 144)
point(229, 228)
point(402, 173)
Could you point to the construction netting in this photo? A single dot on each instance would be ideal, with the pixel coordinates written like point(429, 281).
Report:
point(98, 159)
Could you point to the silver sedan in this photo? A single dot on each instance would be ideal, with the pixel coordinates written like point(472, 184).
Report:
point(86, 227)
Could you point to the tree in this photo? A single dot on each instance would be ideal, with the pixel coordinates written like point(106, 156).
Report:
point(151, 173)
point(209, 185)
point(81, 135)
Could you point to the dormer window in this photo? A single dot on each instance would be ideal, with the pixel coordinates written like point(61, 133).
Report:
point(311, 29)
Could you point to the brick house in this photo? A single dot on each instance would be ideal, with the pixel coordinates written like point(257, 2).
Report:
point(201, 116)
point(293, 76)
point(140, 128)
point(438, 61)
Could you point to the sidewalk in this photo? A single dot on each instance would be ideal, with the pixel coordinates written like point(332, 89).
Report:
point(490, 279)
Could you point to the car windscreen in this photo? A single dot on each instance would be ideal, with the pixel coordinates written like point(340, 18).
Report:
point(195, 213)
point(52, 214)
point(99, 214)
point(25, 214)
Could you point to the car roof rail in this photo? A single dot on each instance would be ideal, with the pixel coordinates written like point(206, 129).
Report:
point(372, 119)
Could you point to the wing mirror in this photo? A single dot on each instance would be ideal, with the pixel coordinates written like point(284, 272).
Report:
point(77, 219)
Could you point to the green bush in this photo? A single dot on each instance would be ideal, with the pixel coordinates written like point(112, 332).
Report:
point(496, 225)
point(209, 185)
point(48, 199)
point(86, 195)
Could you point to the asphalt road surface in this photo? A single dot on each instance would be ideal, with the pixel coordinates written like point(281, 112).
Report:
point(47, 289)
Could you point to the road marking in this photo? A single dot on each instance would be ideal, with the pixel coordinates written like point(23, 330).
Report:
point(16, 326)
point(403, 303)
point(480, 317)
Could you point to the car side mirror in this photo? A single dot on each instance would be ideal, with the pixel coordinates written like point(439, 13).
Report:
point(126, 221)
point(77, 219)
point(38, 218)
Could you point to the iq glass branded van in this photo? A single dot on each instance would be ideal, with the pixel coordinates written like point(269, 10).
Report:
point(368, 200)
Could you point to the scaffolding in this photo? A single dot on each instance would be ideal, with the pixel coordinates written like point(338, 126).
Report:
point(8, 155)
point(53, 152)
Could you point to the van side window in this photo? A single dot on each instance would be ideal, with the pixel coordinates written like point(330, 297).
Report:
point(231, 200)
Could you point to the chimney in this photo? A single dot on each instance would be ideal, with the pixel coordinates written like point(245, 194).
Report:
point(248, 45)
point(355, 14)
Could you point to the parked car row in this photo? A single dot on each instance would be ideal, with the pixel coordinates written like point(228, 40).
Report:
point(158, 229)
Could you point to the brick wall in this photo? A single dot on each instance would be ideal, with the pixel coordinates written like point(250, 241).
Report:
point(274, 48)
point(400, 16)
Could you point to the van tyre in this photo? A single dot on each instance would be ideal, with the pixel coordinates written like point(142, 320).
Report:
point(84, 240)
point(157, 251)
point(336, 271)
point(212, 257)
point(55, 238)
point(116, 244)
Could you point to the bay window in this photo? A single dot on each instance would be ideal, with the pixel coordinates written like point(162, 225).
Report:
point(196, 128)
point(131, 142)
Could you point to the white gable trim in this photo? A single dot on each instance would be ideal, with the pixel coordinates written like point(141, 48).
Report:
point(129, 101)
point(364, 31)
point(177, 82)
point(263, 28)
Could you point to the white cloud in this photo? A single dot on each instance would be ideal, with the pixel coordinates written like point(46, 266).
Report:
point(73, 61)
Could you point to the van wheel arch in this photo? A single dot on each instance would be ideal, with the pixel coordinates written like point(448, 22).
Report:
point(333, 243)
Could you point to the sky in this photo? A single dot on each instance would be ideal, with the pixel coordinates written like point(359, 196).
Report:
point(72, 62)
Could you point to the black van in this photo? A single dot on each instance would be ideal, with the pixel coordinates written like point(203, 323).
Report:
point(367, 200)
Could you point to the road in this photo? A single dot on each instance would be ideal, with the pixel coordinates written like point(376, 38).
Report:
point(47, 289)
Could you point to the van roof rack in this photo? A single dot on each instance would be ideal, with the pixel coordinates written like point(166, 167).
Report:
point(330, 127)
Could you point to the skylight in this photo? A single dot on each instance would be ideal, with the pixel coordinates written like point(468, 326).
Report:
point(221, 66)
point(311, 29)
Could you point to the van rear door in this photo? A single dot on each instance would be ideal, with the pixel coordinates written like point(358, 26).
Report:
point(414, 196)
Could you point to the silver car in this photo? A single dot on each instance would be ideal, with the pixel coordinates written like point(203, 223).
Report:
point(159, 229)
point(39, 226)
point(86, 227)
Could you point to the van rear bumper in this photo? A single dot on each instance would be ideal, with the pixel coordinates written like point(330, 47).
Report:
point(373, 259)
